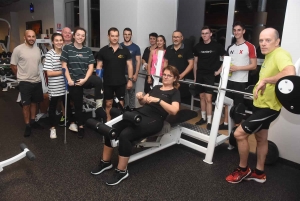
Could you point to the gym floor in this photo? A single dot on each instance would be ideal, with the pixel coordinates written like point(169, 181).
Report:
point(61, 171)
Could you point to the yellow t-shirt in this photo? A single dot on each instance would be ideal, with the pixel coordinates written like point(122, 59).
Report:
point(274, 62)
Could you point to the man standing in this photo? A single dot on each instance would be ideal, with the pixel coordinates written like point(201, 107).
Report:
point(24, 63)
point(277, 64)
point(243, 59)
point(113, 59)
point(67, 35)
point(182, 58)
point(207, 62)
point(136, 63)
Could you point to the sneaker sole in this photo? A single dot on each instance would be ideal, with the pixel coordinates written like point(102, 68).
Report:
point(236, 182)
point(257, 180)
point(73, 130)
point(53, 137)
point(119, 180)
point(107, 168)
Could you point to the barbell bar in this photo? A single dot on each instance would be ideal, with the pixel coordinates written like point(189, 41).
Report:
point(208, 86)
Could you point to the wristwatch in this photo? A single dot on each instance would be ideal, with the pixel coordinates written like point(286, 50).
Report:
point(130, 79)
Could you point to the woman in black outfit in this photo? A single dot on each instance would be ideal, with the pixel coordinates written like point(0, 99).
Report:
point(158, 103)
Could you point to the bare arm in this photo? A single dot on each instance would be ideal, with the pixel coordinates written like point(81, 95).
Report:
point(288, 70)
point(67, 74)
point(99, 64)
point(149, 63)
point(166, 63)
point(51, 73)
point(129, 68)
point(251, 66)
point(187, 69)
point(14, 69)
point(195, 67)
point(138, 64)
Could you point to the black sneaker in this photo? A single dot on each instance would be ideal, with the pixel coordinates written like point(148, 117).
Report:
point(202, 121)
point(118, 176)
point(36, 125)
point(62, 121)
point(208, 126)
point(223, 127)
point(27, 132)
point(101, 167)
point(80, 133)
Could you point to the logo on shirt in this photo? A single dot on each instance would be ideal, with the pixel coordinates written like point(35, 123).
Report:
point(180, 56)
point(79, 55)
point(206, 51)
point(121, 56)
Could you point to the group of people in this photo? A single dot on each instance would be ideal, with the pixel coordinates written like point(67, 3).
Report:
point(117, 70)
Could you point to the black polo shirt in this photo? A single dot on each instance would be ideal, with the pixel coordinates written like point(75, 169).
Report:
point(179, 58)
point(114, 64)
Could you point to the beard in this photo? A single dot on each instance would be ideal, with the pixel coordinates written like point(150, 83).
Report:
point(127, 40)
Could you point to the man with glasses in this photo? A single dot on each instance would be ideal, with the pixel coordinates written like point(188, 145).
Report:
point(208, 53)
point(182, 58)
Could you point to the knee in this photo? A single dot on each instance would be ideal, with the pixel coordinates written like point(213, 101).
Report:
point(202, 96)
point(240, 134)
point(208, 100)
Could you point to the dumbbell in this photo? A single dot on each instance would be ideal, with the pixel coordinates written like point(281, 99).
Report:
point(2, 71)
point(237, 113)
point(3, 84)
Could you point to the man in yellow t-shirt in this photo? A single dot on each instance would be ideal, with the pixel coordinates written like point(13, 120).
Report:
point(277, 64)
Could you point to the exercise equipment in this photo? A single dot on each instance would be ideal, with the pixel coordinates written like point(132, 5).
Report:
point(237, 113)
point(232, 140)
point(273, 153)
point(287, 91)
point(5, 44)
point(25, 153)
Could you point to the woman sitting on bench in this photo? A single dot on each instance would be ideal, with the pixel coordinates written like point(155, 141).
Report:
point(161, 101)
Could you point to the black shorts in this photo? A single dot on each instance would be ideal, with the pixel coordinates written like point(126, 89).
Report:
point(238, 86)
point(31, 92)
point(111, 91)
point(261, 118)
point(208, 79)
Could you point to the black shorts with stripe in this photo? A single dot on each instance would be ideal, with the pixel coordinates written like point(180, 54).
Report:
point(261, 118)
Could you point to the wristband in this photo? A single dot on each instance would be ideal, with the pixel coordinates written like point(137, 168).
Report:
point(130, 79)
point(159, 101)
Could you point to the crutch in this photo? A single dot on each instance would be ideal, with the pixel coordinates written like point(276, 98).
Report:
point(66, 102)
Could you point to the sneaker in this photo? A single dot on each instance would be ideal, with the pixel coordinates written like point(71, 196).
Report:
point(27, 132)
point(238, 175)
point(202, 121)
point(223, 127)
point(57, 112)
point(80, 133)
point(73, 127)
point(208, 126)
point(53, 133)
point(101, 167)
point(255, 177)
point(41, 116)
point(117, 177)
point(36, 125)
point(62, 121)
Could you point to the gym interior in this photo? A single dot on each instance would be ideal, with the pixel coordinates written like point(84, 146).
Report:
point(61, 170)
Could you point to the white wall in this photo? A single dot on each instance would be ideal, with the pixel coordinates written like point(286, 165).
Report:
point(285, 130)
point(43, 11)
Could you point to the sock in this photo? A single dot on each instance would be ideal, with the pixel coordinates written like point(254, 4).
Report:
point(225, 123)
point(99, 103)
point(259, 172)
point(244, 169)
point(203, 115)
point(32, 121)
point(209, 119)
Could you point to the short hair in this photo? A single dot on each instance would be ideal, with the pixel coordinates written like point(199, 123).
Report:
point(206, 27)
point(112, 29)
point(127, 29)
point(28, 30)
point(238, 23)
point(164, 39)
point(80, 29)
point(178, 31)
point(175, 73)
point(276, 34)
point(54, 35)
point(153, 34)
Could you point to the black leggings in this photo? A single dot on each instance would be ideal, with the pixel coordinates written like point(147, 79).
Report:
point(76, 93)
point(52, 108)
point(130, 133)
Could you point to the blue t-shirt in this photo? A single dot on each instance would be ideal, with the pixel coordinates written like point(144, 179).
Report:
point(134, 51)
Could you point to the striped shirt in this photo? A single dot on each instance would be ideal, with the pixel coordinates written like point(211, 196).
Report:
point(56, 84)
point(77, 60)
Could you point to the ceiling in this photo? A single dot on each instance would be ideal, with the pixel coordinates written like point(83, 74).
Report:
point(7, 2)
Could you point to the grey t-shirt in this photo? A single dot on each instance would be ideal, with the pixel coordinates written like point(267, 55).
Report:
point(27, 60)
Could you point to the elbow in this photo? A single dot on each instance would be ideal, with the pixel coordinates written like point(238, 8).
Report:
point(254, 67)
point(174, 112)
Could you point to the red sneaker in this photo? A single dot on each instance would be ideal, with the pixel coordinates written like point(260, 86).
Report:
point(238, 175)
point(258, 178)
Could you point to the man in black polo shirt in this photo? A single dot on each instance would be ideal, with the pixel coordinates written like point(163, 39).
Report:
point(114, 59)
point(182, 58)
point(207, 64)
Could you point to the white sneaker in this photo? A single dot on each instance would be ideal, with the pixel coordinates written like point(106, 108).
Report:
point(40, 116)
point(53, 133)
point(73, 127)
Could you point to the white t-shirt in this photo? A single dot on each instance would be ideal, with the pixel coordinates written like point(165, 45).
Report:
point(56, 84)
point(240, 56)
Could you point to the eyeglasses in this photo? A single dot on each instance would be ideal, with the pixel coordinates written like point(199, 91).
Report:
point(167, 75)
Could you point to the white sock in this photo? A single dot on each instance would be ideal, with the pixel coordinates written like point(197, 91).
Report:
point(203, 115)
point(225, 123)
point(99, 103)
point(209, 119)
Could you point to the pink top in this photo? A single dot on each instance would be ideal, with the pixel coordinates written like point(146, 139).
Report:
point(154, 62)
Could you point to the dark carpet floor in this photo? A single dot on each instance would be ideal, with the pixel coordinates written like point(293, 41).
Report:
point(61, 171)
